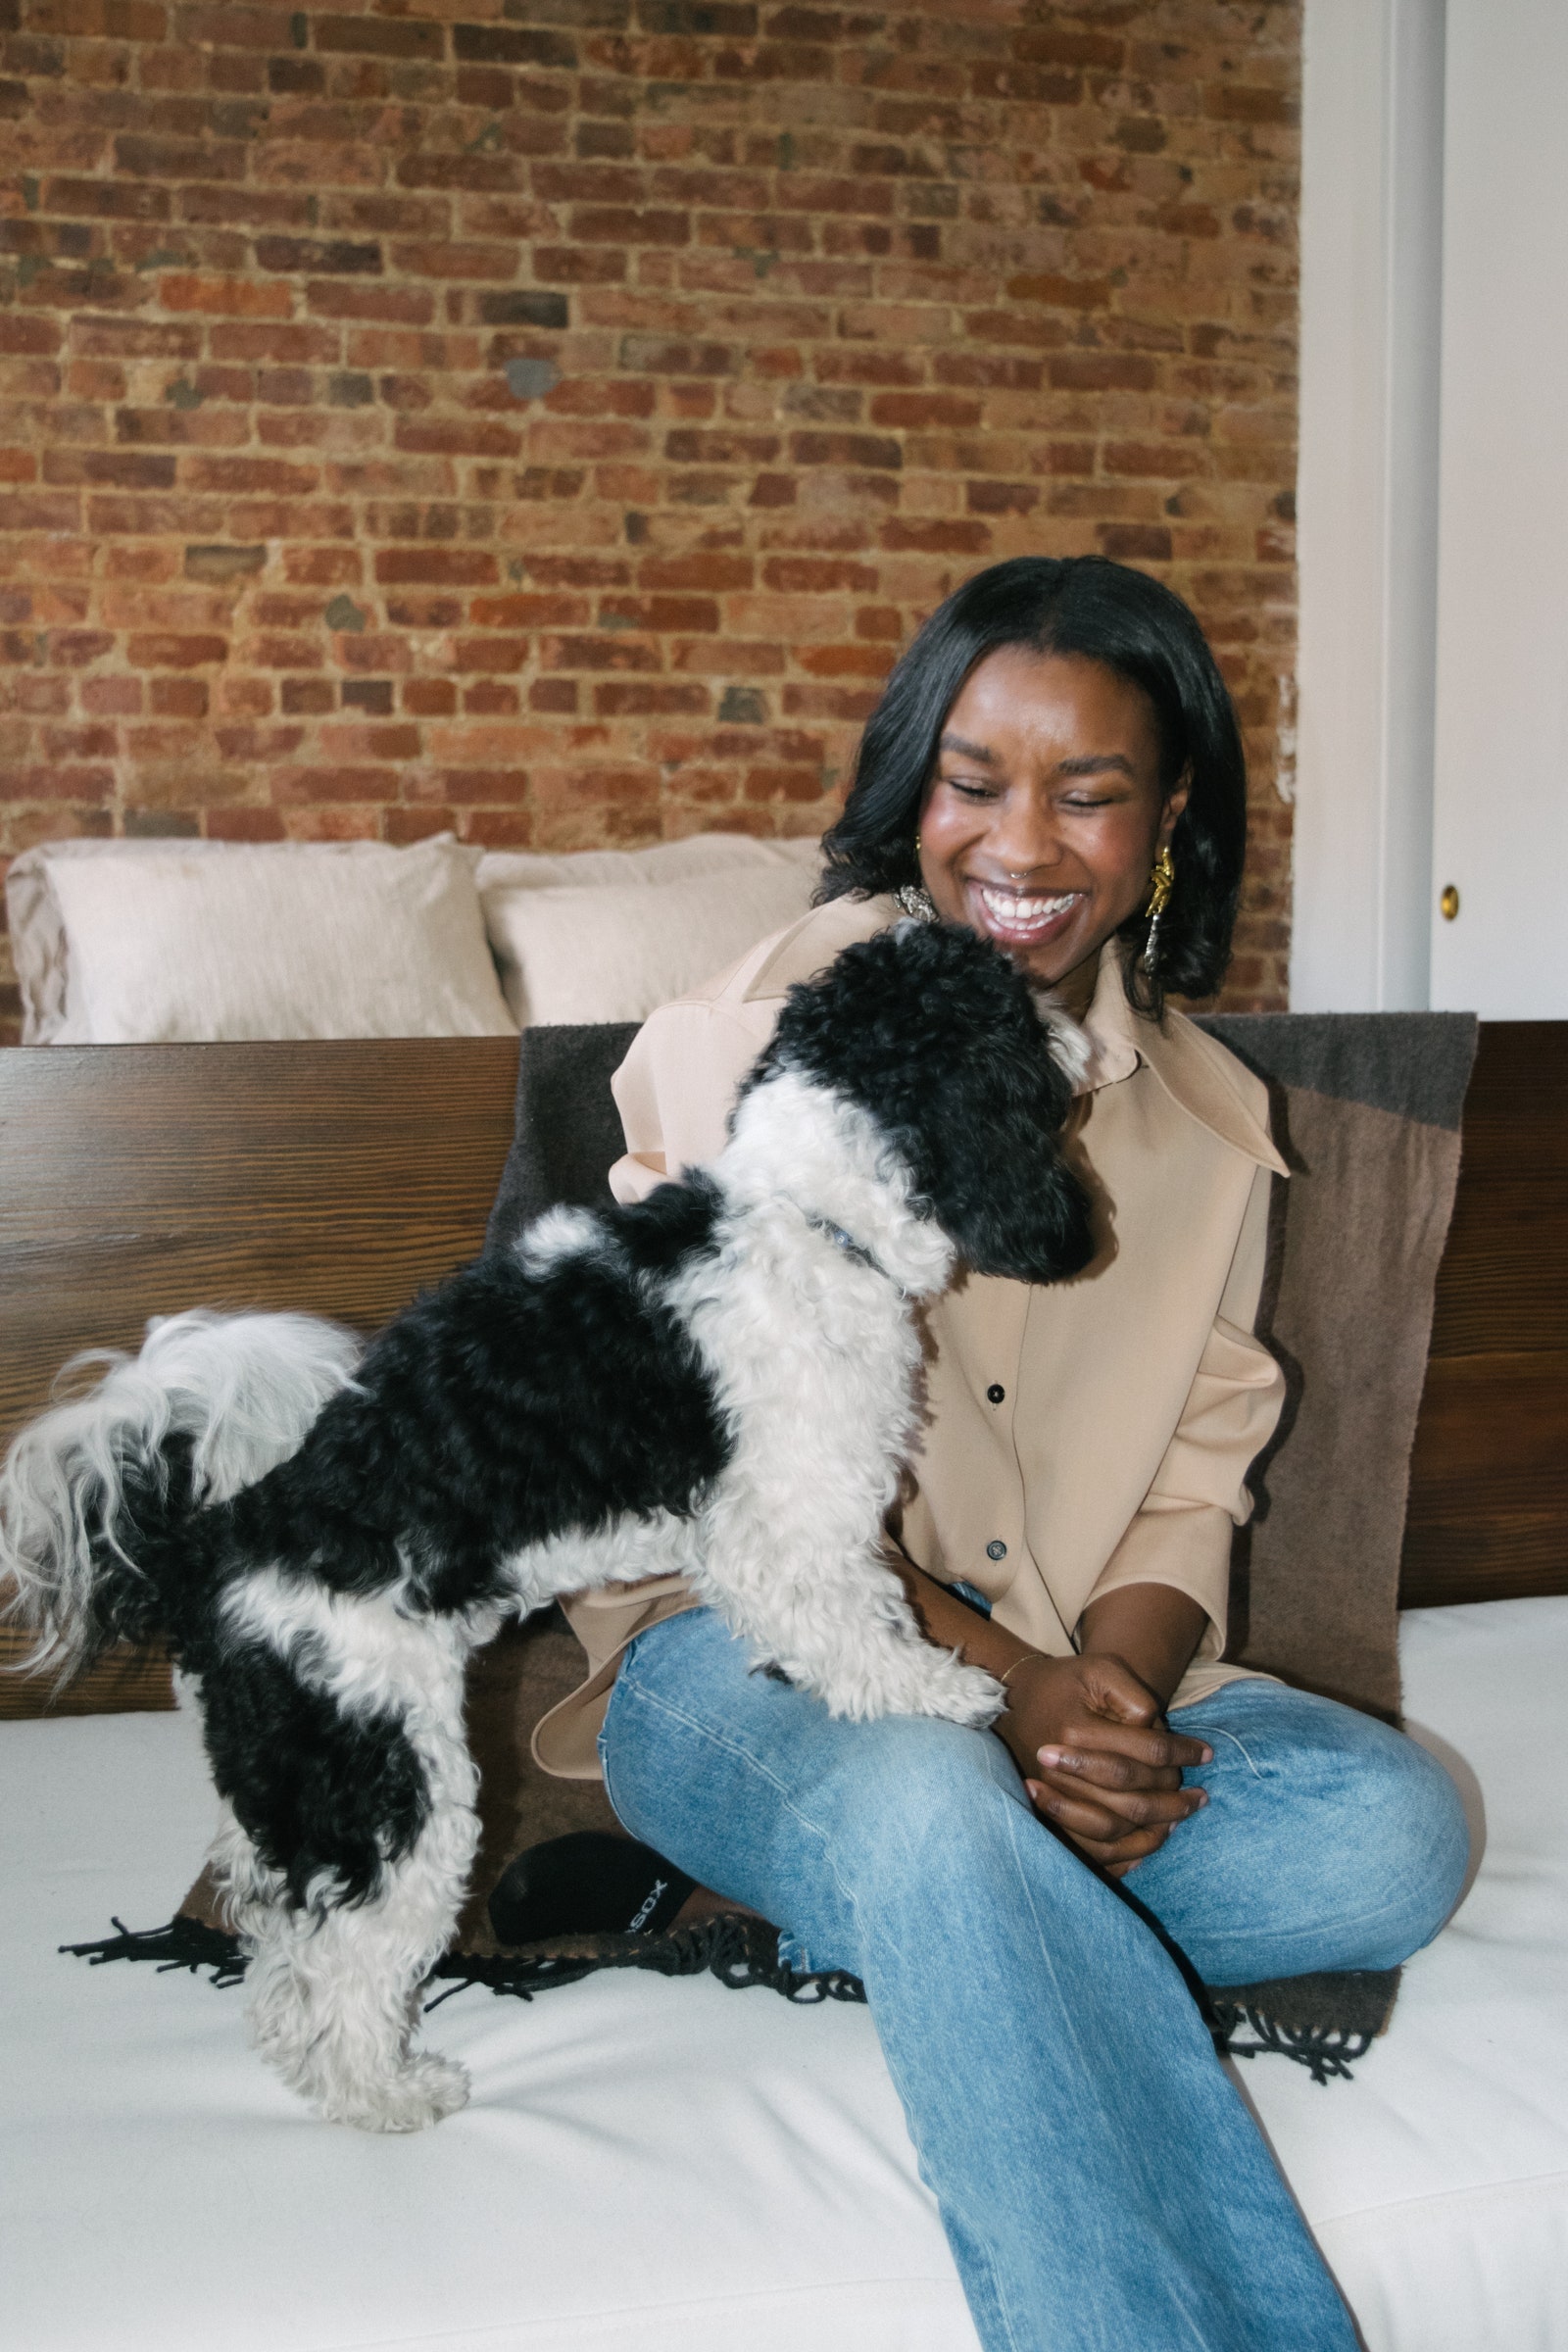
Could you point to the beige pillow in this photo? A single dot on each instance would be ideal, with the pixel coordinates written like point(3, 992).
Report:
point(614, 952)
point(120, 943)
point(664, 861)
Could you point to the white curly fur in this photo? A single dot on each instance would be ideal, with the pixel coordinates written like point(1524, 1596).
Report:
point(245, 1388)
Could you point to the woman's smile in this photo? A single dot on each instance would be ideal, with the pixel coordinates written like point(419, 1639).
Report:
point(1017, 917)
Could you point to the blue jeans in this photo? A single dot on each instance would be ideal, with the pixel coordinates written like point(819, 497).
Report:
point(1101, 2185)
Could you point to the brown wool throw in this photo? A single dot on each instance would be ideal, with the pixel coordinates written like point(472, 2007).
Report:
point(1366, 1110)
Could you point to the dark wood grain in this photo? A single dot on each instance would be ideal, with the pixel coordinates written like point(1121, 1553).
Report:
point(1488, 1516)
point(137, 1180)
point(1503, 1282)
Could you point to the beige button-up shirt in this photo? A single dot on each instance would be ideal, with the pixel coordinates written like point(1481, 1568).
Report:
point(1083, 1436)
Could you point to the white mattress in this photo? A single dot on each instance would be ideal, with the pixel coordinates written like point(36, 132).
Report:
point(643, 2160)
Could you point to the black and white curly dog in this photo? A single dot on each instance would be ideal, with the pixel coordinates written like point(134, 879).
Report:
point(719, 1381)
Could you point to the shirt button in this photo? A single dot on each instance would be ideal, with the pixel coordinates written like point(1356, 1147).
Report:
point(996, 1549)
point(995, 1392)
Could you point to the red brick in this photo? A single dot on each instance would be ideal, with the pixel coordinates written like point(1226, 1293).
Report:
point(374, 36)
point(1245, 102)
point(801, 395)
point(111, 698)
point(58, 782)
point(634, 699)
point(177, 698)
point(1058, 292)
point(545, 610)
point(951, 538)
point(1100, 371)
point(173, 160)
point(372, 784)
point(29, 511)
point(1134, 542)
point(845, 449)
point(447, 437)
point(598, 653)
point(312, 256)
point(860, 660)
point(124, 468)
point(21, 333)
point(75, 648)
point(461, 567)
point(169, 651)
point(817, 575)
point(244, 824)
point(920, 411)
point(225, 297)
point(617, 224)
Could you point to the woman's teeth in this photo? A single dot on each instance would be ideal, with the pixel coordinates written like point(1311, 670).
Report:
point(1022, 914)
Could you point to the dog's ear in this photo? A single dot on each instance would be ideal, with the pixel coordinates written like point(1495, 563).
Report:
point(937, 1035)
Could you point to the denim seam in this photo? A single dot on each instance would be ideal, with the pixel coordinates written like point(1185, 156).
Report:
point(1256, 1769)
point(755, 1763)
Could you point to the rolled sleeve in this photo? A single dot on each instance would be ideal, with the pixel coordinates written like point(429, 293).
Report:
point(675, 1091)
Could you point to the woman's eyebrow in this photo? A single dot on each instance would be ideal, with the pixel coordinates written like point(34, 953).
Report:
point(968, 751)
point(1095, 764)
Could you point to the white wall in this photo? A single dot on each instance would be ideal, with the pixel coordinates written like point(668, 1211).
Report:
point(1371, 265)
point(1502, 770)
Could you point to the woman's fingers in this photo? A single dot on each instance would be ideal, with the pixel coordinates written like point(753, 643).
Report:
point(1111, 1813)
point(1112, 1768)
point(1117, 1849)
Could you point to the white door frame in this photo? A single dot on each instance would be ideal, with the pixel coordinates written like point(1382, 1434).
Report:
point(1367, 503)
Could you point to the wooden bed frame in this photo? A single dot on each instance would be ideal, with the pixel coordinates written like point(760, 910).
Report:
point(338, 1178)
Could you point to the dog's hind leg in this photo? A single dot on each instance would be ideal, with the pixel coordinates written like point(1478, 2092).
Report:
point(363, 1833)
point(335, 1990)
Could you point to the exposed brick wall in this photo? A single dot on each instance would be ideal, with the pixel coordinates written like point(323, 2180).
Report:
point(549, 418)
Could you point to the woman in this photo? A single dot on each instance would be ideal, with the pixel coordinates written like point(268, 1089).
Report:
point(1055, 765)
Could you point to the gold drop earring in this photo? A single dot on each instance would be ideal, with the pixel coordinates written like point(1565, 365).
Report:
point(1161, 882)
point(913, 898)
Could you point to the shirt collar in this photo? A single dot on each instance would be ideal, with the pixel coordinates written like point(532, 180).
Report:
point(1198, 1074)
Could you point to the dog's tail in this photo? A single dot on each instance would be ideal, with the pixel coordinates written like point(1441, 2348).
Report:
point(91, 1493)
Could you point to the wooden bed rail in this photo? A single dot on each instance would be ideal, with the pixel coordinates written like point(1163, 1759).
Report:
point(337, 1178)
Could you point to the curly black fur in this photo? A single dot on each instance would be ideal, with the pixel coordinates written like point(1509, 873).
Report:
point(945, 1055)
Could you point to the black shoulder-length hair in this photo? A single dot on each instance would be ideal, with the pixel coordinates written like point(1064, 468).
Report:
point(1142, 632)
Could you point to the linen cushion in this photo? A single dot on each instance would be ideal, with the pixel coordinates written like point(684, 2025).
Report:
point(140, 943)
point(662, 861)
point(612, 951)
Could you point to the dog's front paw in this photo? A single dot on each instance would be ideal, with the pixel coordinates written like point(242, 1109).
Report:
point(421, 2092)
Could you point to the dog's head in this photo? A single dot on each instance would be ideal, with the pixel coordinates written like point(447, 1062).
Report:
point(938, 1038)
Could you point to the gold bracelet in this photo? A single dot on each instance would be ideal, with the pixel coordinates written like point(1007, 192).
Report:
point(1022, 1660)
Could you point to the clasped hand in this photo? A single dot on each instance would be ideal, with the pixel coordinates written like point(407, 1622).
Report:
point(1097, 1758)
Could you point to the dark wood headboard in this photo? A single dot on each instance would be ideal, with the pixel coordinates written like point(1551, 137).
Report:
point(1488, 1516)
point(138, 1179)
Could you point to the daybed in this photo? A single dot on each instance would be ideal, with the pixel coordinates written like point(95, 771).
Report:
point(645, 2161)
